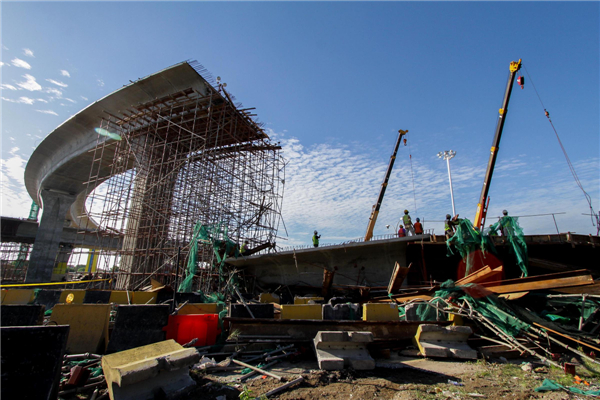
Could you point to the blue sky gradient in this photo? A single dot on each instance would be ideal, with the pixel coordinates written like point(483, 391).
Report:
point(334, 81)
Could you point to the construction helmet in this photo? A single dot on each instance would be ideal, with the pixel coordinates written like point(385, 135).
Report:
point(405, 211)
point(448, 216)
point(315, 232)
point(504, 212)
point(418, 219)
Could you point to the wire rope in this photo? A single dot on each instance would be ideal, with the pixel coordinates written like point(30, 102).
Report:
point(571, 167)
point(412, 178)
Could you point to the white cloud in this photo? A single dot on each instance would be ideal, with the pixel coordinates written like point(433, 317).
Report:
point(100, 82)
point(47, 112)
point(66, 73)
point(17, 62)
point(84, 98)
point(72, 101)
point(56, 92)
point(332, 188)
point(29, 83)
point(42, 100)
point(15, 200)
point(24, 100)
point(57, 83)
point(28, 53)
point(6, 86)
point(3, 64)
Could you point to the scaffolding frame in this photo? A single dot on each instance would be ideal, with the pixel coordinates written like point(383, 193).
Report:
point(183, 159)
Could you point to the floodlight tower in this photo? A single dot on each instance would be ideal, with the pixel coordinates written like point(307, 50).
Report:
point(447, 155)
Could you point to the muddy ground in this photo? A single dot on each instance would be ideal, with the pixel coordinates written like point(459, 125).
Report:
point(398, 379)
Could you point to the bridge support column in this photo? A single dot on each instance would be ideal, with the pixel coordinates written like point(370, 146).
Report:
point(47, 239)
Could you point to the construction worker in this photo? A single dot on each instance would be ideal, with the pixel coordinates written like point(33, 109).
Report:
point(506, 224)
point(449, 225)
point(401, 231)
point(408, 225)
point(418, 227)
point(492, 231)
point(244, 247)
point(315, 239)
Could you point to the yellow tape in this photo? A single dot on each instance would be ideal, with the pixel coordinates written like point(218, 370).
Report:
point(53, 283)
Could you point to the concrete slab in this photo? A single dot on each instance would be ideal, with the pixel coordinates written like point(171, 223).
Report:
point(31, 361)
point(89, 326)
point(138, 325)
point(337, 350)
point(21, 314)
point(18, 296)
point(445, 342)
point(201, 308)
point(302, 311)
point(144, 372)
point(77, 298)
point(380, 312)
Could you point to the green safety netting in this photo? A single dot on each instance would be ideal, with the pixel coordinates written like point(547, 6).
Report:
point(550, 385)
point(467, 241)
point(216, 236)
point(480, 299)
point(511, 230)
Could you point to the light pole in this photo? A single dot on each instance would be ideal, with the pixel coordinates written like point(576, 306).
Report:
point(447, 155)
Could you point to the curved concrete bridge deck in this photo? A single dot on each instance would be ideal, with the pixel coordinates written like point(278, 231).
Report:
point(57, 172)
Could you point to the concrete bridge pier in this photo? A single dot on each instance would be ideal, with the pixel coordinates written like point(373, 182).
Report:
point(54, 210)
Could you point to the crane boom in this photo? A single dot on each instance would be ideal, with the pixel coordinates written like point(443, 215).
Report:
point(481, 207)
point(377, 206)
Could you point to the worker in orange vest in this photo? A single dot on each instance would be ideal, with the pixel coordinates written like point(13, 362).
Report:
point(401, 232)
point(418, 227)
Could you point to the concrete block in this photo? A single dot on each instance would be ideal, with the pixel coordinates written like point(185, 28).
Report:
point(47, 297)
point(302, 311)
point(21, 314)
point(338, 350)
point(269, 298)
point(342, 312)
point(445, 342)
point(31, 361)
point(97, 297)
point(76, 298)
point(138, 325)
point(380, 312)
point(258, 310)
point(144, 298)
point(121, 297)
point(305, 300)
point(201, 308)
point(144, 372)
point(89, 326)
point(18, 296)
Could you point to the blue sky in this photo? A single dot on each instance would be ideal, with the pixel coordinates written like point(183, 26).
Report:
point(334, 81)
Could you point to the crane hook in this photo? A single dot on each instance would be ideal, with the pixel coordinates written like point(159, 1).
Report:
point(521, 81)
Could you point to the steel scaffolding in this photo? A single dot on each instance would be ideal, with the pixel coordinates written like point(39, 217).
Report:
point(188, 158)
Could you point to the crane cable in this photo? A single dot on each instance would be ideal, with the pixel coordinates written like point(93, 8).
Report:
point(577, 181)
point(412, 177)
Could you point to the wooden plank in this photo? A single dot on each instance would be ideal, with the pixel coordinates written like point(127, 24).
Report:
point(568, 337)
point(537, 278)
point(485, 274)
point(591, 289)
point(398, 277)
point(542, 284)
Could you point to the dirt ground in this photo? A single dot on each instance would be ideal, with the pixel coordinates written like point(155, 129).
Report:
point(398, 379)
